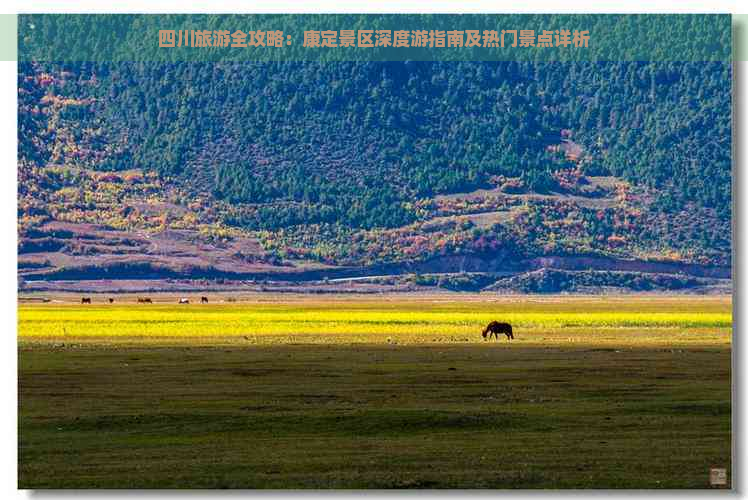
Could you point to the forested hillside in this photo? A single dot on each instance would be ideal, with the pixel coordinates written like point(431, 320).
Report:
point(368, 163)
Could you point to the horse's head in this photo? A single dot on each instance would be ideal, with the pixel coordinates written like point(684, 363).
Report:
point(485, 332)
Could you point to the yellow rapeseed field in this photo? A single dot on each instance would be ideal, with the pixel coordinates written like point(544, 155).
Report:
point(634, 320)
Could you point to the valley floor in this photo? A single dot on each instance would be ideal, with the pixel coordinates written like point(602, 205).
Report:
point(630, 401)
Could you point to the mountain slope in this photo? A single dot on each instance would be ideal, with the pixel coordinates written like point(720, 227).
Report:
point(316, 166)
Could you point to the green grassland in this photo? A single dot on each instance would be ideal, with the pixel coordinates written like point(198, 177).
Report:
point(376, 393)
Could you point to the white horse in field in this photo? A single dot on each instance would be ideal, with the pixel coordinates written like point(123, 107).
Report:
point(184, 300)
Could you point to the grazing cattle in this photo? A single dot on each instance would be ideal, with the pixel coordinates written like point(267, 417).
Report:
point(111, 300)
point(86, 300)
point(495, 328)
point(184, 301)
point(203, 300)
point(144, 300)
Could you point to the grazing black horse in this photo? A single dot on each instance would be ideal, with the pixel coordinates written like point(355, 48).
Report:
point(495, 328)
point(203, 300)
point(86, 300)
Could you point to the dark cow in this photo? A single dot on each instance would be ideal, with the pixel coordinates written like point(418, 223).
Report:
point(111, 300)
point(144, 300)
point(86, 300)
point(495, 328)
point(203, 300)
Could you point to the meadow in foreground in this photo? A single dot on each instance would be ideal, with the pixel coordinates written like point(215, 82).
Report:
point(593, 393)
